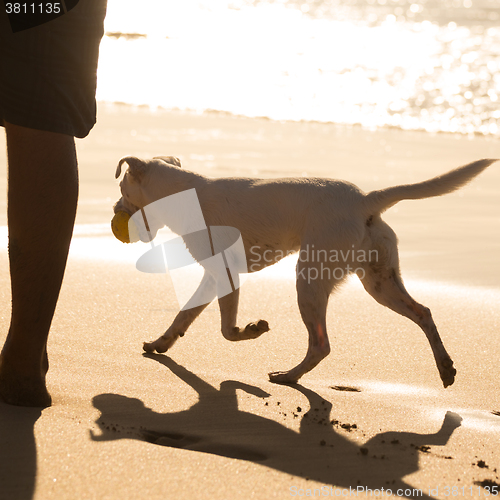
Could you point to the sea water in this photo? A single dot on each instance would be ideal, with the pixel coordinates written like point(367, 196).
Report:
point(415, 65)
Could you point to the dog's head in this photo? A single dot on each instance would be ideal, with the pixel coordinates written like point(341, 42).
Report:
point(132, 186)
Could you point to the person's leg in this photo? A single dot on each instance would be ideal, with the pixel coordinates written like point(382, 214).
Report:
point(42, 200)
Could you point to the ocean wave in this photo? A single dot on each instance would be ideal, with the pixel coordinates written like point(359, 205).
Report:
point(410, 65)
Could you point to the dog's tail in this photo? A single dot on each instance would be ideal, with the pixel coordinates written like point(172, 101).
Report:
point(381, 200)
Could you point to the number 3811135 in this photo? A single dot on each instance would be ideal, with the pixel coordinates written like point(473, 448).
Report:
point(33, 8)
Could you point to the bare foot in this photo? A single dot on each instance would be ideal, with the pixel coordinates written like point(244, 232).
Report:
point(20, 389)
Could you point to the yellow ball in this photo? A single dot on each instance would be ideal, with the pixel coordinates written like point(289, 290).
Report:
point(119, 226)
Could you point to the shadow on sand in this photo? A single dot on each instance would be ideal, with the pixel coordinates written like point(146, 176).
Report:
point(215, 425)
point(18, 456)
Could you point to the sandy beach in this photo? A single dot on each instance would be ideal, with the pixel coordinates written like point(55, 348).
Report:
point(204, 421)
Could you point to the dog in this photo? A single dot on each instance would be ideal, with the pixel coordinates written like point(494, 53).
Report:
point(278, 216)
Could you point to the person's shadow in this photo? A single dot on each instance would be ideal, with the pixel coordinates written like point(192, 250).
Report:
point(317, 452)
point(18, 456)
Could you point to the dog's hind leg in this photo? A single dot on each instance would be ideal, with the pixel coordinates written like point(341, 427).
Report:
point(228, 306)
point(312, 297)
point(384, 284)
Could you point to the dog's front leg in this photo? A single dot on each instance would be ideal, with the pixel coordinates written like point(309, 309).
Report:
point(203, 295)
point(228, 306)
point(181, 323)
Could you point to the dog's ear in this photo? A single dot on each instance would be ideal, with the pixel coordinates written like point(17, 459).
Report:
point(136, 167)
point(119, 168)
point(172, 160)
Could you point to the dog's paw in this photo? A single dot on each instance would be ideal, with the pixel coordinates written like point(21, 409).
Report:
point(254, 330)
point(447, 372)
point(282, 378)
point(148, 346)
point(452, 420)
point(161, 345)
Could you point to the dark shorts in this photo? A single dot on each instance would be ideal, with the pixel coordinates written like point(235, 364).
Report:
point(48, 73)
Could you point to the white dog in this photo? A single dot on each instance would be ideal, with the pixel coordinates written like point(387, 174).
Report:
point(333, 223)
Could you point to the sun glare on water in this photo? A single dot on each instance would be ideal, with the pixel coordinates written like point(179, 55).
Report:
point(274, 59)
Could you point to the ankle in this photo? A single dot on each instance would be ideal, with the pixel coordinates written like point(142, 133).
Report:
point(22, 387)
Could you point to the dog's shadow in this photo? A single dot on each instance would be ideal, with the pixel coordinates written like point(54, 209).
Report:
point(215, 425)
